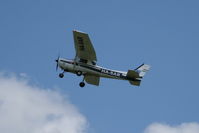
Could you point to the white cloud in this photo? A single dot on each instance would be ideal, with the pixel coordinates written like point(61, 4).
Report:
point(29, 109)
point(164, 128)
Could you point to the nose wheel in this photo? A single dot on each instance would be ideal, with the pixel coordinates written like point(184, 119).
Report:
point(61, 75)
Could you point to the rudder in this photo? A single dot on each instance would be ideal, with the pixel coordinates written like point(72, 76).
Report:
point(142, 69)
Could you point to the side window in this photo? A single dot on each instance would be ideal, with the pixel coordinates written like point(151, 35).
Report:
point(93, 62)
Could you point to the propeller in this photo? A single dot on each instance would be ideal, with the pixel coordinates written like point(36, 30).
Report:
point(57, 63)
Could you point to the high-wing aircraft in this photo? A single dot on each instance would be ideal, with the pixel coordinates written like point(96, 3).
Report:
point(85, 60)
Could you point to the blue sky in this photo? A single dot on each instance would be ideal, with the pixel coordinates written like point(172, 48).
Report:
point(125, 33)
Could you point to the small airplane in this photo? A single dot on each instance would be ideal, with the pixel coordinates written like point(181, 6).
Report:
point(85, 60)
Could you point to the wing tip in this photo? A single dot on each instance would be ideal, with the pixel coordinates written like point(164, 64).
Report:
point(79, 31)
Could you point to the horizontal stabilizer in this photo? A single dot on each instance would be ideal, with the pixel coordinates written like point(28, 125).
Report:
point(135, 82)
point(131, 74)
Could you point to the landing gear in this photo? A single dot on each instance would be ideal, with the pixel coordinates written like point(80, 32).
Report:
point(82, 84)
point(79, 73)
point(61, 75)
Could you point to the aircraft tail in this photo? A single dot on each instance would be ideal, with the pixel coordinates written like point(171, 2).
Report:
point(142, 69)
point(135, 76)
point(135, 82)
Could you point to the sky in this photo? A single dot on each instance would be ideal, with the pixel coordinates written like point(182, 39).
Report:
point(125, 34)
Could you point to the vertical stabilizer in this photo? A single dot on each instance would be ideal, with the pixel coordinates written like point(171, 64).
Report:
point(135, 76)
point(142, 69)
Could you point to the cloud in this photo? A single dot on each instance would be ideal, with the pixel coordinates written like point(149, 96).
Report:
point(28, 109)
point(164, 128)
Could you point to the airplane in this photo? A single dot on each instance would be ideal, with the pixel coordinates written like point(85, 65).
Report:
point(85, 64)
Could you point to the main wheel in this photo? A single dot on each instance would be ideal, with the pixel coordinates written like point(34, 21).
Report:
point(79, 73)
point(61, 75)
point(81, 84)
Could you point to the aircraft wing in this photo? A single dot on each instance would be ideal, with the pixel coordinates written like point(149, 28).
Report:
point(94, 80)
point(83, 46)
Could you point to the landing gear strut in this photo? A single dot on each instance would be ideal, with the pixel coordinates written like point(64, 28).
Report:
point(61, 75)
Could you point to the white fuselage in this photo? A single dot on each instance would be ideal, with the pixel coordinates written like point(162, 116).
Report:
point(90, 69)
